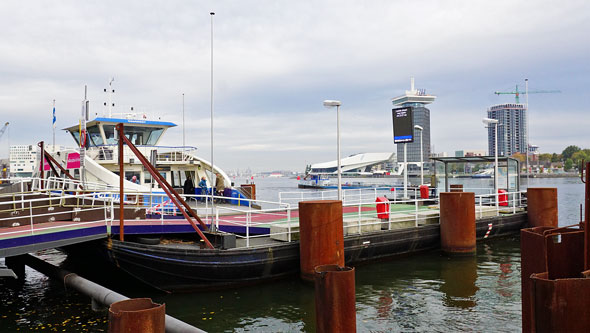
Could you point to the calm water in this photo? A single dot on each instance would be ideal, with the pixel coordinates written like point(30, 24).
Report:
point(426, 292)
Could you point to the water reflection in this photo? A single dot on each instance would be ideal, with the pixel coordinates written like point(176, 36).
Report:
point(459, 275)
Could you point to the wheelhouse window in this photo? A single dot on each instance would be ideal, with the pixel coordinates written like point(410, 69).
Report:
point(95, 136)
point(138, 135)
point(76, 136)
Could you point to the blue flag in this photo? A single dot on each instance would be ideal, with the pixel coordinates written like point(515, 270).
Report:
point(54, 117)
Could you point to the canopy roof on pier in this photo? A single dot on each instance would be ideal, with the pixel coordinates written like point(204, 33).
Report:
point(473, 159)
point(502, 160)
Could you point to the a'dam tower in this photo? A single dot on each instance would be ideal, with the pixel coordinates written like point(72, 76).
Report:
point(417, 99)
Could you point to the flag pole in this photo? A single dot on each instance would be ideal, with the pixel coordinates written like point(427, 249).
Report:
point(53, 126)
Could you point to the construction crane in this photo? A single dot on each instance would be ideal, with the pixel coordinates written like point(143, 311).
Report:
point(3, 129)
point(518, 93)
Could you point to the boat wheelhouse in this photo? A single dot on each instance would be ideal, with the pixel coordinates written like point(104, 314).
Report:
point(101, 160)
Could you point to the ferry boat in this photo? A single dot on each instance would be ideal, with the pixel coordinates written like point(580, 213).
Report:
point(101, 160)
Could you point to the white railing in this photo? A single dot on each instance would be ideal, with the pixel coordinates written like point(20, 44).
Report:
point(349, 196)
point(362, 214)
point(25, 218)
point(165, 154)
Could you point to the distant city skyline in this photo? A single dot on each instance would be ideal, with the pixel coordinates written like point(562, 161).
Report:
point(273, 72)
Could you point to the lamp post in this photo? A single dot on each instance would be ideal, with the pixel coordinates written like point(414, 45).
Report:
point(213, 228)
point(329, 104)
point(418, 127)
point(489, 121)
point(526, 91)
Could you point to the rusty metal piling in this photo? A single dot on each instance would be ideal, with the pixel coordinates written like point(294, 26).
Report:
point(335, 299)
point(321, 235)
point(555, 267)
point(542, 206)
point(457, 222)
point(137, 315)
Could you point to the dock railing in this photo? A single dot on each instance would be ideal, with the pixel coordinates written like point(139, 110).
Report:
point(278, 220)
point(361, 214)
point(25, 214)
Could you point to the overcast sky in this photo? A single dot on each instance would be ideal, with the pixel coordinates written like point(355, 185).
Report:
point(276, 61)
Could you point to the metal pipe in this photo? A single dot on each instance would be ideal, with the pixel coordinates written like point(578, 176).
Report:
point(526, 92)
point(120, 131)
point(42, 164)
point(97, 292)
point(338, 153)
point(496, 165)
point(213, 176)
point(405, 171)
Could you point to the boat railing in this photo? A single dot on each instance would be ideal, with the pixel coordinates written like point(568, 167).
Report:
point(277, 220)
point(28, 214)
point(165, 154)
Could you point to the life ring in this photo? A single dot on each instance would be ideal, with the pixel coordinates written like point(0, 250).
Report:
point(83, 138)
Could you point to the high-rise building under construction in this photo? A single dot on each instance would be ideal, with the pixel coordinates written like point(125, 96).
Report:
point(512, 129)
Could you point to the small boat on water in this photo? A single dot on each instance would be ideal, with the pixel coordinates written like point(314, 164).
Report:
point(486, 173)
point(323, 182)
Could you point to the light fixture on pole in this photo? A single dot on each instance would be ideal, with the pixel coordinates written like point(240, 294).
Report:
point(330, 104)
point(488, 122)
point(418, 127)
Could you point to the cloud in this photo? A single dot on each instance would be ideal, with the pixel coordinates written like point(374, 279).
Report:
point(274, 62)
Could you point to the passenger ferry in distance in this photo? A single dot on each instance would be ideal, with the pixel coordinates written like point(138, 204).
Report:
point(175, 163)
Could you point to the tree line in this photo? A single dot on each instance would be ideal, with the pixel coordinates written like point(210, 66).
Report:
point(570, 157)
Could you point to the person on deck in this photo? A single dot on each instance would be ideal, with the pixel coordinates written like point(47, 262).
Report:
point(219, 185)
point(203, 186)
point(189, 187)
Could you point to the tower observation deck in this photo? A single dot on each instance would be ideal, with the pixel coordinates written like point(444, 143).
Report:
point(418, 99)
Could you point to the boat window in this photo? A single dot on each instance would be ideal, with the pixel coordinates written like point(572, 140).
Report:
point(130, 174)
point(182, 177)
point(172, 179)
point(154, 136)
point(138, 135)
point(109, 132)
point(147, 176)
point(95, 136)
point(143, 135)
point(76, 136)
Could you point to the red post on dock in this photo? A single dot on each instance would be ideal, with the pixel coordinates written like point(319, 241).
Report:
point(542, 206)
point(457, 222)
point(137, 315)
point(321, 237)
point(335, 300)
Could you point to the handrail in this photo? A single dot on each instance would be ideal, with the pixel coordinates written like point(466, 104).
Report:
point(51, 214)
point(178, 201)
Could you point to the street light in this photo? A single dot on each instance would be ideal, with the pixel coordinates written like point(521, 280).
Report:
point(329, 104)
point(418, 127)
point(489, 121)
